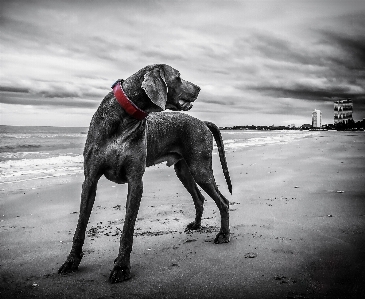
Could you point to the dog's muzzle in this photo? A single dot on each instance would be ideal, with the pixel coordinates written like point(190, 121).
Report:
point(185, 105)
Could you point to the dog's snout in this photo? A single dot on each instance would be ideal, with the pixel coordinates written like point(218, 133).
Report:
point(197, 90)
point(194, 89)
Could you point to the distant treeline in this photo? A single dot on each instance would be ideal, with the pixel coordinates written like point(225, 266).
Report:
point(350, 126)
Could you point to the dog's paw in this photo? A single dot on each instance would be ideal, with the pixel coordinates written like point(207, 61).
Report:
point(70, 265)
point(222, 238)
point(193, 226)
point(119, 274)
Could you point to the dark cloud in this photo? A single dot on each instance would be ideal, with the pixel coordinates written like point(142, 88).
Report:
point(352, 49)
point(53, 96)
point(40, 100)
point(273, 47)
point(13, 89)
point(308, 92)
point(333, 66)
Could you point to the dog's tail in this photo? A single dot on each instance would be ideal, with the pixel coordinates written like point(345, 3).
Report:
point(218, 139)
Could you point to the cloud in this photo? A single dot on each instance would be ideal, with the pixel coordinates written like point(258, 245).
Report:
point(53, 94)
point(13, 89)
point(307, 92)
point(41, 101)
point(352, 49)
point(329, 68)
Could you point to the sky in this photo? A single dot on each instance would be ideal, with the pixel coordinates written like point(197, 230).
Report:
point(257, 62)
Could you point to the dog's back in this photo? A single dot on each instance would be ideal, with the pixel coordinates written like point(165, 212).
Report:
point(172, 136)
point(176, 133)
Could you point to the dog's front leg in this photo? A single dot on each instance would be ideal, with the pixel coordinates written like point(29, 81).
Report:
point(87, 200)
point(121, 270)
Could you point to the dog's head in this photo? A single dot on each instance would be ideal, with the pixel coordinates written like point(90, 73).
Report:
point(165, 88)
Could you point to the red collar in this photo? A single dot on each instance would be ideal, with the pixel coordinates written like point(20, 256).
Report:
point(126, 103)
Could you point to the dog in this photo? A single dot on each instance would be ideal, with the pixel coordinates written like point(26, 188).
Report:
point(128, 133)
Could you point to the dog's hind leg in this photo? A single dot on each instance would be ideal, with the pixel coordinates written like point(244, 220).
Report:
point(87, 200)
point(201, 170)
point(183, 173)
point(223, 205)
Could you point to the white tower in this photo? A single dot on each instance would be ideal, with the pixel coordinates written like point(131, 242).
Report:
point(316, 118)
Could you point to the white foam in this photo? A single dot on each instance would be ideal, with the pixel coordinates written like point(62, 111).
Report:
point(273, 137)
point(30, 169)
point(22, 155)
point(41, 135)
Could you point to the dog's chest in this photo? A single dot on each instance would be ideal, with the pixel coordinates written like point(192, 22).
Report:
point(123, 153)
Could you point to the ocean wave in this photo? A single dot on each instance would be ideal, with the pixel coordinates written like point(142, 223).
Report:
point(286, 137)
point(41, 135)
point(19, 147)
point(22, 155)
point(28, 169)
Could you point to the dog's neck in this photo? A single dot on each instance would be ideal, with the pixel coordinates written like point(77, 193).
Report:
point(129, 107)
point(132, 88)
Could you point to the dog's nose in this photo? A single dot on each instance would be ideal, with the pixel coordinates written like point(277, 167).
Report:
point(197, 90)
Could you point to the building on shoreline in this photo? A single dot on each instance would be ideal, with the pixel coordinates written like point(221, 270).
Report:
point(343, 111)
point(316, 118)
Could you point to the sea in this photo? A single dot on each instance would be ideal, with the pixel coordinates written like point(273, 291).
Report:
point(30, 155)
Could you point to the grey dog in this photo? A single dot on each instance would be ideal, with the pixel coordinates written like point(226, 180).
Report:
point(122, 141)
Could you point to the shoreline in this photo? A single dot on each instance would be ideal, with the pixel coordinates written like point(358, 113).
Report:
point(297, 221)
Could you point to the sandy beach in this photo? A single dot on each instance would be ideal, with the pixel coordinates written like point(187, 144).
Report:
point(297, 224)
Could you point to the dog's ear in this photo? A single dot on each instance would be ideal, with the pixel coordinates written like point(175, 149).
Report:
point(154, 85)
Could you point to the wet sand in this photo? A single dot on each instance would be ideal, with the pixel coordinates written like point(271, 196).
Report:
point(297, 223)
